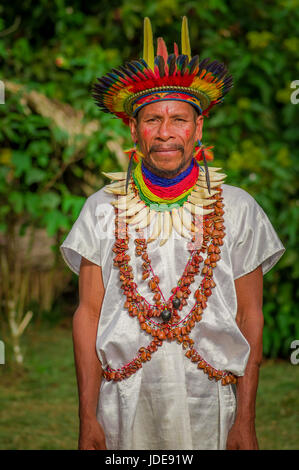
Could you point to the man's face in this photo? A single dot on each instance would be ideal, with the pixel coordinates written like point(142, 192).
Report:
point(166, 132)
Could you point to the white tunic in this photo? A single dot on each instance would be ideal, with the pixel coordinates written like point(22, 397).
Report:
point(169, 403)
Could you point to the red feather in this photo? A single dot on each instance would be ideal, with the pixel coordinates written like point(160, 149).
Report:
point(162, 49)
point(208, 153)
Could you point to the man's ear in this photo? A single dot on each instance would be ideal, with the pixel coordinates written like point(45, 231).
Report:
point(133, 128)
point(199, 125)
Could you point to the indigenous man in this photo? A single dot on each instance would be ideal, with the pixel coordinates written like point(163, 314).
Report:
point(168, 331)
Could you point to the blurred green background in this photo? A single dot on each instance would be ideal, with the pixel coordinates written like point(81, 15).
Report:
point(54, 143)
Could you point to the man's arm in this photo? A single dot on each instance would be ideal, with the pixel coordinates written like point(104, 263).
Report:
point(88, 366)
point(249, 289)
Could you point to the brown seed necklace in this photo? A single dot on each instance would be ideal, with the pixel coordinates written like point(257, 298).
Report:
point(171, 327)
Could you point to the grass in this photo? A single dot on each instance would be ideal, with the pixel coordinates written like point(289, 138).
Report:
point(278, 405)
point(38, 404)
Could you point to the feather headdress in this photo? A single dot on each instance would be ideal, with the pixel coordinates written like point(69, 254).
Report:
point(126, 89)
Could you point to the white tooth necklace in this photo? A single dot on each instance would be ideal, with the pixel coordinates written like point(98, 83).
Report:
point(140, 214)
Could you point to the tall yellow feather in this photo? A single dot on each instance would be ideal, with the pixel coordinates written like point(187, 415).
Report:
point(148, 44)
point(186, 49)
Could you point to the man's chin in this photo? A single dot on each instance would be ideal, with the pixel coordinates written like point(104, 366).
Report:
point(165, 169)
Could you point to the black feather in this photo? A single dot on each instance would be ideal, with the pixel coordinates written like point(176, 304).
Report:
point(212, 66)
point(202, 65)
point(132, 67)
point(129, 171)
point(101, 84)
point(171, 64)
point(228, 81)
point(139, 69)
point(130, 70)
point(159, 61)
point(184, 63)
point(118, 72)
point(107, 81)
point(193, 64)
point(207, 171)
point(222, 72)
point(143, 63)
point(126, 71)
point(138, 65)
point(98, 88)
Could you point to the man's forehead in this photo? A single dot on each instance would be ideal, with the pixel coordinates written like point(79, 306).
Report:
point(170, 107)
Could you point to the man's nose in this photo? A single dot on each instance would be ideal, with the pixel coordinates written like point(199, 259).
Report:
point(165, 131)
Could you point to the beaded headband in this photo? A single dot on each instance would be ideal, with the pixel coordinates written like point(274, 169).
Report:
point(126, 89)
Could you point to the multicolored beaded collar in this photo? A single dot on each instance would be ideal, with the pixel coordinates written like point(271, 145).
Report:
point(154, 189)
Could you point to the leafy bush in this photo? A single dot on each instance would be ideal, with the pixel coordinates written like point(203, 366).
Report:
point(59, 50)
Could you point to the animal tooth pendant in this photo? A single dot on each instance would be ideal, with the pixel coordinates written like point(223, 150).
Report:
point(156, 229)
point(116, 184)
point(140, 216)
point(186, 219)
point(133, 210)
point(178, 225)
point(124, 202)
point(213, 177)
point(147, 220)
point(117, 191)
point(211, 170)
point(204, 202)
point(197, 209)
point(167, 227)
point(213, 184)
point(201, 193)
point(121, 175)
point(194, 199)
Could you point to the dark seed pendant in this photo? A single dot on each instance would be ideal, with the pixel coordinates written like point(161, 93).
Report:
point(176, 302)
point(166, 315)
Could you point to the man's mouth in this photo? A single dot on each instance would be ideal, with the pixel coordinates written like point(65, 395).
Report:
point(165, 149)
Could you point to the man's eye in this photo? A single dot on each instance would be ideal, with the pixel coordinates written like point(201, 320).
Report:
point(180, 119)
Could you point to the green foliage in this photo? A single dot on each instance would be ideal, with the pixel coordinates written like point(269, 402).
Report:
point(41, 399)
point(60, 48)
point(40, 167)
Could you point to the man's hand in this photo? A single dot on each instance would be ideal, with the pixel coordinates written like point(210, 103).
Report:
point(242, 437)
point(91, 436)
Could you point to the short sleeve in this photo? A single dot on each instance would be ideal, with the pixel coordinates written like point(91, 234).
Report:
point(84, 238)
point(255, 239)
